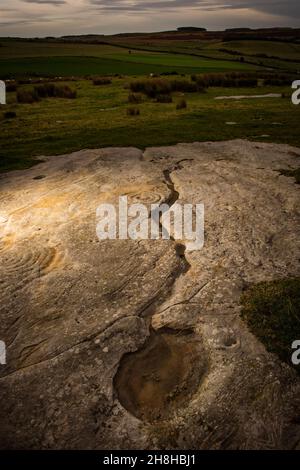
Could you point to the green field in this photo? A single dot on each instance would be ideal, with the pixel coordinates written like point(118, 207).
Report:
point(284, 56)
point(43, 59)
point(83, 66)
point(277, 55)
point(140, 56)
point(20, 49)
point(97, 118)
point(269, 48)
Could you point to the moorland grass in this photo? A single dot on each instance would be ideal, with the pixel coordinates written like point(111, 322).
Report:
point(100, 81)
point(272, 312)
point(292, 174)
point(182, 104)
point(98, 118)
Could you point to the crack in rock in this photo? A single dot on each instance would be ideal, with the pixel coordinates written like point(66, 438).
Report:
point(160, 376)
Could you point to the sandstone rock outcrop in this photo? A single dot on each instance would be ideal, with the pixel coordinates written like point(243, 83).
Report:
point(136, 344)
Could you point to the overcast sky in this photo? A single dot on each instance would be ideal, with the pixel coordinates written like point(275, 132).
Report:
point(58, 17)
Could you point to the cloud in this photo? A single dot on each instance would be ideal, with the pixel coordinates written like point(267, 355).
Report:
point(39, 17)
point(160, 5)
point(23, 22)
point(46, 2)
point(289, 8)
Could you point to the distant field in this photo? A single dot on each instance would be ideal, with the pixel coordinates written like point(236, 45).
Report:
point(269, 48)
point(98, 118)
point(82, 66)
point(287, 54)
point(18, 49)
point(18, 59)
point(143, 54)
point(139, 56)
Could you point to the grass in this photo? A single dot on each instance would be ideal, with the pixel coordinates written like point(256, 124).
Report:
point(97, 118)
point(253, 48)
point(141, 52)
point(178, 60)
point(272, 312)
point(54, 59)
point(19, 49)
point(292, 174)
point(153, 87)
point(182, 104)
point(143, 56)
point(133, 111)
point(84, 66)
point(279, 55)
point(22, 49)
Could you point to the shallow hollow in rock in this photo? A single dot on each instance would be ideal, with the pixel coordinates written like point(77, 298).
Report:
point(162, 376)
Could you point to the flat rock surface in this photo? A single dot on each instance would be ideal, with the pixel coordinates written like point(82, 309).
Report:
point(123, 344)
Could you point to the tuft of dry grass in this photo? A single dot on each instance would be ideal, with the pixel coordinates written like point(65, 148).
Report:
point(100, 81)
point(154, 87)
point(135, 98)
point(182, 104)
point(133, 111)
point(9, 115)
point(27, 96)
point(164, 99)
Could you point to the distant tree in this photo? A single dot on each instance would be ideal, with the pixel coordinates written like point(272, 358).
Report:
point(190, 29)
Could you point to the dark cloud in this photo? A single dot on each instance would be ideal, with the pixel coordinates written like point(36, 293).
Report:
point(289, 8)
point(25, 21)
point(144, 6)
point(46, 2)
point(276, 7)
